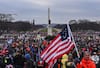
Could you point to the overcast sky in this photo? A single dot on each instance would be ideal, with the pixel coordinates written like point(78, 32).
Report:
point(61, 10)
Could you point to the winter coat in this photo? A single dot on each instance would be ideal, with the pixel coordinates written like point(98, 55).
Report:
point(64, 60)
point(86, 64)
point(95, 58)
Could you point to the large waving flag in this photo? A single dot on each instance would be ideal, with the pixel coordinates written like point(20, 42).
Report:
point(61, 44)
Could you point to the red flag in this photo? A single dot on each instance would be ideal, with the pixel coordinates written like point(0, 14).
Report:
point(61, 44)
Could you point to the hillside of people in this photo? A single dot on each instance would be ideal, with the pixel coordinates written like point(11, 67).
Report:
point(22, 42)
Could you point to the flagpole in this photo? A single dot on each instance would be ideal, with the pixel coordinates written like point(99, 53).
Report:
point(71, 35)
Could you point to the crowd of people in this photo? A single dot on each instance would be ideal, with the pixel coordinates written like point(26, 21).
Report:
point(22, 50)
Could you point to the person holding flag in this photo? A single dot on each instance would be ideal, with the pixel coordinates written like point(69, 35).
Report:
point(62, 44)
point(86, 61)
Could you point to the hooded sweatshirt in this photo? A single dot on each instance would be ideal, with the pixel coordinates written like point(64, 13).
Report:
point(86, 64)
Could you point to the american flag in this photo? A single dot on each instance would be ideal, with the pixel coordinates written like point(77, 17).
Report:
point(61, 44)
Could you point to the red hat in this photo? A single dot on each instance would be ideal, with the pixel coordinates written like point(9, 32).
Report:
point(27, 49)
point(41, 63)
point(1, 52)
point(6, 50)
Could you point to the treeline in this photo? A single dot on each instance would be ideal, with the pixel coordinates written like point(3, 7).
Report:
point(7, 25)
point(27, 26)
point(83, 25)
point(18, 26)
point(86, 26)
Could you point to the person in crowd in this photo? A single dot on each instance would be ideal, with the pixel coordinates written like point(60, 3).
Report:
point(64, 60)
point(19, 60)
point(99, 59)
point(29, 63)
point(57, 64)
point(95, 58)
point(40, 64)
point(8, 62)
point(70, 63)
point(2, 64)
point(86, 61)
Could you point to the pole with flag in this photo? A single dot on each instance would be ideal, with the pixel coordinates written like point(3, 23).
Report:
point(60, 45)
point(73, 40)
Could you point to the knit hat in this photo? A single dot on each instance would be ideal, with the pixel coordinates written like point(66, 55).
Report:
point(27, 56)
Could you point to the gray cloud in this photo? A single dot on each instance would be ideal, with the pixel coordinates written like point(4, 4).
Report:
point(61, 10)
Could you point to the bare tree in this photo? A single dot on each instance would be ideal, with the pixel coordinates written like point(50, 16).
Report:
point(6, 17)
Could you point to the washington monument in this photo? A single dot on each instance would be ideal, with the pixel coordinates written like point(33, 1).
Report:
point(49, 23)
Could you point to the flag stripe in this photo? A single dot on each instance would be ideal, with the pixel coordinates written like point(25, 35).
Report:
point(52, 63)
point(64, 51)
point(59, 54)
point(60, 48)
point(55, 47)
point(45, 51)
point(49, 59)
point(49, 49)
